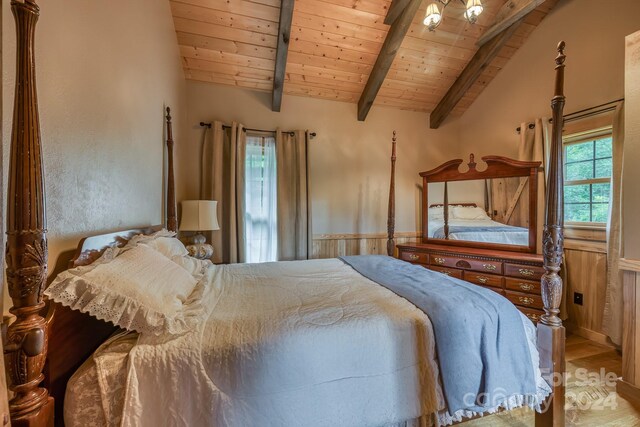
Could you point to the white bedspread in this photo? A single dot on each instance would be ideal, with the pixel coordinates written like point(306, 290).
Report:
point(512, 238)
point(305, 343)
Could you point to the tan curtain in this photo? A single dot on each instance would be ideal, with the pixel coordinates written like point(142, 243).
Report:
point(223, 181)
point(535, 144)
point(294, 209)
point(612, 321)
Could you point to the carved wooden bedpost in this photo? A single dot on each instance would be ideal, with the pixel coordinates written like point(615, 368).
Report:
point(26, 342)
point(445, 210)
point(551, 333)
point(391, 214)
point(172, 219)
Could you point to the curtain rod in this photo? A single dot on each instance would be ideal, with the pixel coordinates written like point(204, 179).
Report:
point(581, 114)
point(208, 126)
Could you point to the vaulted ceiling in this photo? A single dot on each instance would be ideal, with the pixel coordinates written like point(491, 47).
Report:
point(334, 45)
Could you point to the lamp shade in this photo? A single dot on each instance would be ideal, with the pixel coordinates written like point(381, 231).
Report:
point(432, 17)
point(199, 215)
point(474, 9)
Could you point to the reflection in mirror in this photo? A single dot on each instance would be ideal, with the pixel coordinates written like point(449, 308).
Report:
point(487, 211)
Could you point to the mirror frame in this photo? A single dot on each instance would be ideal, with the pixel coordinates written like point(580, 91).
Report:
point(497, 167)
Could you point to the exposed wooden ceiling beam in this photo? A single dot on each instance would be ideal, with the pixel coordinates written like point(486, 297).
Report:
point(396, 8)
point(386, 56)
point(284, 31)
point(509, 13)
point(470, 74)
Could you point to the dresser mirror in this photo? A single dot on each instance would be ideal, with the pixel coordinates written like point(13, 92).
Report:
point(491, 207)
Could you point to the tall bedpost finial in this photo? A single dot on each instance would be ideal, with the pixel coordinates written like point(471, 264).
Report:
point(551, 333)
point(552, 238)
point(559, 88)
point(25, 347)
point(172, 218)
point(391, 214)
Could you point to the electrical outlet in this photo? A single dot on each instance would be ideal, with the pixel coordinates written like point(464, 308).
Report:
point(577, 298)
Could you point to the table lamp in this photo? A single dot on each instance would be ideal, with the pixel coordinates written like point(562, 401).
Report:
point(199, 215)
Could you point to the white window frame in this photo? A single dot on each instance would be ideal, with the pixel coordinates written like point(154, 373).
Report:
point(578, 138)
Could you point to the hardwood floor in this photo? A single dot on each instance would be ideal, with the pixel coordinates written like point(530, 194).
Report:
point(591, 391)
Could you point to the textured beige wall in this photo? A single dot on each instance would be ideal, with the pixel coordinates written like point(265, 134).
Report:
point(349, 160)
point(105, 70)
point(631, 172)
point(522, 91)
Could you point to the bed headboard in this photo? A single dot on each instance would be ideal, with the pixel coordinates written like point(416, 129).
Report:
point(92, 247)
point(74, 336)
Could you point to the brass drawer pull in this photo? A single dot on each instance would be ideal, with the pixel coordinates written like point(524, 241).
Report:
point(526, 272)
point(413, 257)
point(489, 267)
point(526, 300)
point(526, 286)
point(446, 272)
point(439, 260)
point(482, 279)
point(533, 317)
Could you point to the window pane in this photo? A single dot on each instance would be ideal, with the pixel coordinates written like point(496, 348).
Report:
point(260, 216)
point(577, 213)
point(601, 193)
point(603, 168)
point(577, 194)
point(600, 212)
point(603, 147)
point(580, 170)
point(578, 152)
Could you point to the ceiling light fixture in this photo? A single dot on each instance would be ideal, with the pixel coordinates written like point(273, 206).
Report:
point(433, 16)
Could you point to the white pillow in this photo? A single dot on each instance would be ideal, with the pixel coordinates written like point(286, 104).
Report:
point(469, 212)
point(436, 213)
point(137, 289)
point(168, 246)
point(194, 266)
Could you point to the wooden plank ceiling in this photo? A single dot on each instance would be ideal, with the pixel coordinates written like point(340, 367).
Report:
point(333, 46)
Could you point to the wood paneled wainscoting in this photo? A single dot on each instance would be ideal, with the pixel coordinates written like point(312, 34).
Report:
point(586, 267)
point(334, 245)
point(629, 386)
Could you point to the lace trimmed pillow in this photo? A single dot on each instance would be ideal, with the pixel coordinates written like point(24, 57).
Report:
point(137, 289)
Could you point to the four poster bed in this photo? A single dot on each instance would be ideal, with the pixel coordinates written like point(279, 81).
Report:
point(319, 342)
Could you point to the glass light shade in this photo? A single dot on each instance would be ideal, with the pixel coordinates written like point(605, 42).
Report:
point(433, 17)
point(474, 9)
point(199, 215)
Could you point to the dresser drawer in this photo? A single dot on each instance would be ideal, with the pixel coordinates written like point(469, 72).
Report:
point(494, 267)
point(448, 271)
point(521, 285)
point(414, 257)
point(533, 314)
point(523, 271)
point(443, 260)
point(483, 279)
point(525, 300)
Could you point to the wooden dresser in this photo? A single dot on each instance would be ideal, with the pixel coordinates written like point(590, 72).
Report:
point(513, 275)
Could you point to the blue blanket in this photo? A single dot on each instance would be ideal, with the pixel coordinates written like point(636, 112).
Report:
point(480, 340)
point(457, 229)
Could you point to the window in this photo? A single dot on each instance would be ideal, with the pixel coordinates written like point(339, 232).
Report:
point(261, 227)
point(587, 174)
